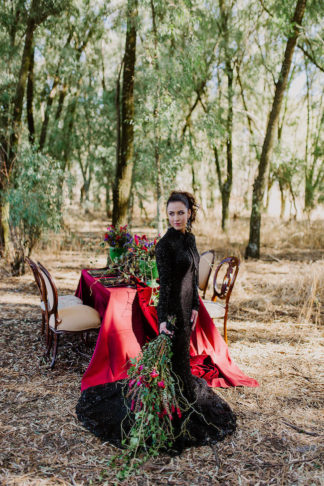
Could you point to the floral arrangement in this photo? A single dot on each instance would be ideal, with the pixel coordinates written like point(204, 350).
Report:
point(143, 248)
point(143, 251)
point(130, 256)
point(156, 399)
point(118, 237)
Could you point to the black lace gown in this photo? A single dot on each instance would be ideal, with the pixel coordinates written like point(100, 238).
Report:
point(102, 408)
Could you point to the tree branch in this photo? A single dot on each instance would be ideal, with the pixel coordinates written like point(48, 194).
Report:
point(310, 57)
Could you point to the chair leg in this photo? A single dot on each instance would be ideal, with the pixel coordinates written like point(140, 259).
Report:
point(85, 337)
point(49, 340)
point(56, 342)
point(225, 325)
point(43, 323)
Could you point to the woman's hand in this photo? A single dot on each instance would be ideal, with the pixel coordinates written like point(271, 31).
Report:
point(193, 319)
point(164, 329)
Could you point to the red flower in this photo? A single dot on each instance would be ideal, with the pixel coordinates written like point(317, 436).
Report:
point(136, 239)
point(154, 374)
point(161, 384)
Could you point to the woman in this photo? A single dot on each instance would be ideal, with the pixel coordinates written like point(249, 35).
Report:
point(102, 408)
point(177, 260)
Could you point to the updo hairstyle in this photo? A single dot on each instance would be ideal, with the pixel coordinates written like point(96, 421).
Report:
point(188, 200)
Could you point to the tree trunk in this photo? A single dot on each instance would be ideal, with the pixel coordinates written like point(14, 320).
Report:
point(20, 90)
point(226, 188)
point(282, 200)
point(253, 248)
point(50, 98)
point(157, 155)
point(125, 162)
point(30, 98)
point(108, 198)
point(9, 150)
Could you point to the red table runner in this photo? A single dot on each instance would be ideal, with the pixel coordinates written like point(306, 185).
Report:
point(128, 322)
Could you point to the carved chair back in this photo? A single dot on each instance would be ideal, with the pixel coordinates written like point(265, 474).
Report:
point(38, 279)
point(205, 267)
point(51, 290)
point(226, 287)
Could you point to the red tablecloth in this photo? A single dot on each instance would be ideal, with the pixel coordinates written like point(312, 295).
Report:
point(128, 322)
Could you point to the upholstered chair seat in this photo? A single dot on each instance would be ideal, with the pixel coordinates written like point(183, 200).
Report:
point(65, 301)
point(77, 318)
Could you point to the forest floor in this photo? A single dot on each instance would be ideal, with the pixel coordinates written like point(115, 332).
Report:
point(275, 335)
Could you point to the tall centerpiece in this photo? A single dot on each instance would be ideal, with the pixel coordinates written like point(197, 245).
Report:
point(144, 253)
point(119, 240)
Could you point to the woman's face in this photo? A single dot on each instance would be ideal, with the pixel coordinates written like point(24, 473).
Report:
point(178, 215)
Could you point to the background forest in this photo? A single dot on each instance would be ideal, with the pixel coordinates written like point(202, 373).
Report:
point(106, 106)
point(110, 104)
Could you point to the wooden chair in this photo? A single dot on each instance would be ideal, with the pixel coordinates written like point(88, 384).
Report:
point(219, 310)
point(205, 267)
point(41, 288)
point(63, 300)
point(75, 319)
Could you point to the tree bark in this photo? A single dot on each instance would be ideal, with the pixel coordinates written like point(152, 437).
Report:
point(125, 162)
point(9, 150)
point(12, 251)
point(30, 98)
point(50, 99)
point(20, 87)
point(226, 186)
point(157, 154)
point(253, 248)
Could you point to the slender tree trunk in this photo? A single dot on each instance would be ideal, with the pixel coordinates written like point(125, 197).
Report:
point(253, 248)
point(9, 151)
point(30, 98)
point(226, 188)
point(20, 88)
point(50, 99)
point(157, 154)
point(282, 200)
point(117, 105)
point(108, 198)
point(125, 163)
point(249, 119)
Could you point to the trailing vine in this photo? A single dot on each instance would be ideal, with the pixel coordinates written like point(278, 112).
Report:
point(156, 399)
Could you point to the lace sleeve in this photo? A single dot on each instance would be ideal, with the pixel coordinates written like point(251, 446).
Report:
point(195, 298)
point(163, 260)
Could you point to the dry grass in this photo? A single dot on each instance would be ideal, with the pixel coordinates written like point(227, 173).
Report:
point(275, 336)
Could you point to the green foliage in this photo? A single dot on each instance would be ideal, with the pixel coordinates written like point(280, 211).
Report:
point(156, 398)
point(181, 90)
point(35, 201)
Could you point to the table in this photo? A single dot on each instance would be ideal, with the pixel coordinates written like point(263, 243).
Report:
point(128, 322)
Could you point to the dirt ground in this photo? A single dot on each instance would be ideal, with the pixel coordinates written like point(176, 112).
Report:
point(275, 335)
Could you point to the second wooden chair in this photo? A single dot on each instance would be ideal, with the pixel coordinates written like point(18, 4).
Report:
point(68, 320)
point(216, 309)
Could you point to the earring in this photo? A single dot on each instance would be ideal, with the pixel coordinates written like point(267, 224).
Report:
point(188, 225)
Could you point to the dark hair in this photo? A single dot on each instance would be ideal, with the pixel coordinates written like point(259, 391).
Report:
point(188, 200)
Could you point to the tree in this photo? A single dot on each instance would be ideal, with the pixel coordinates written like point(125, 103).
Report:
point(35, 15)
point(253, 248)
point(125, 160)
